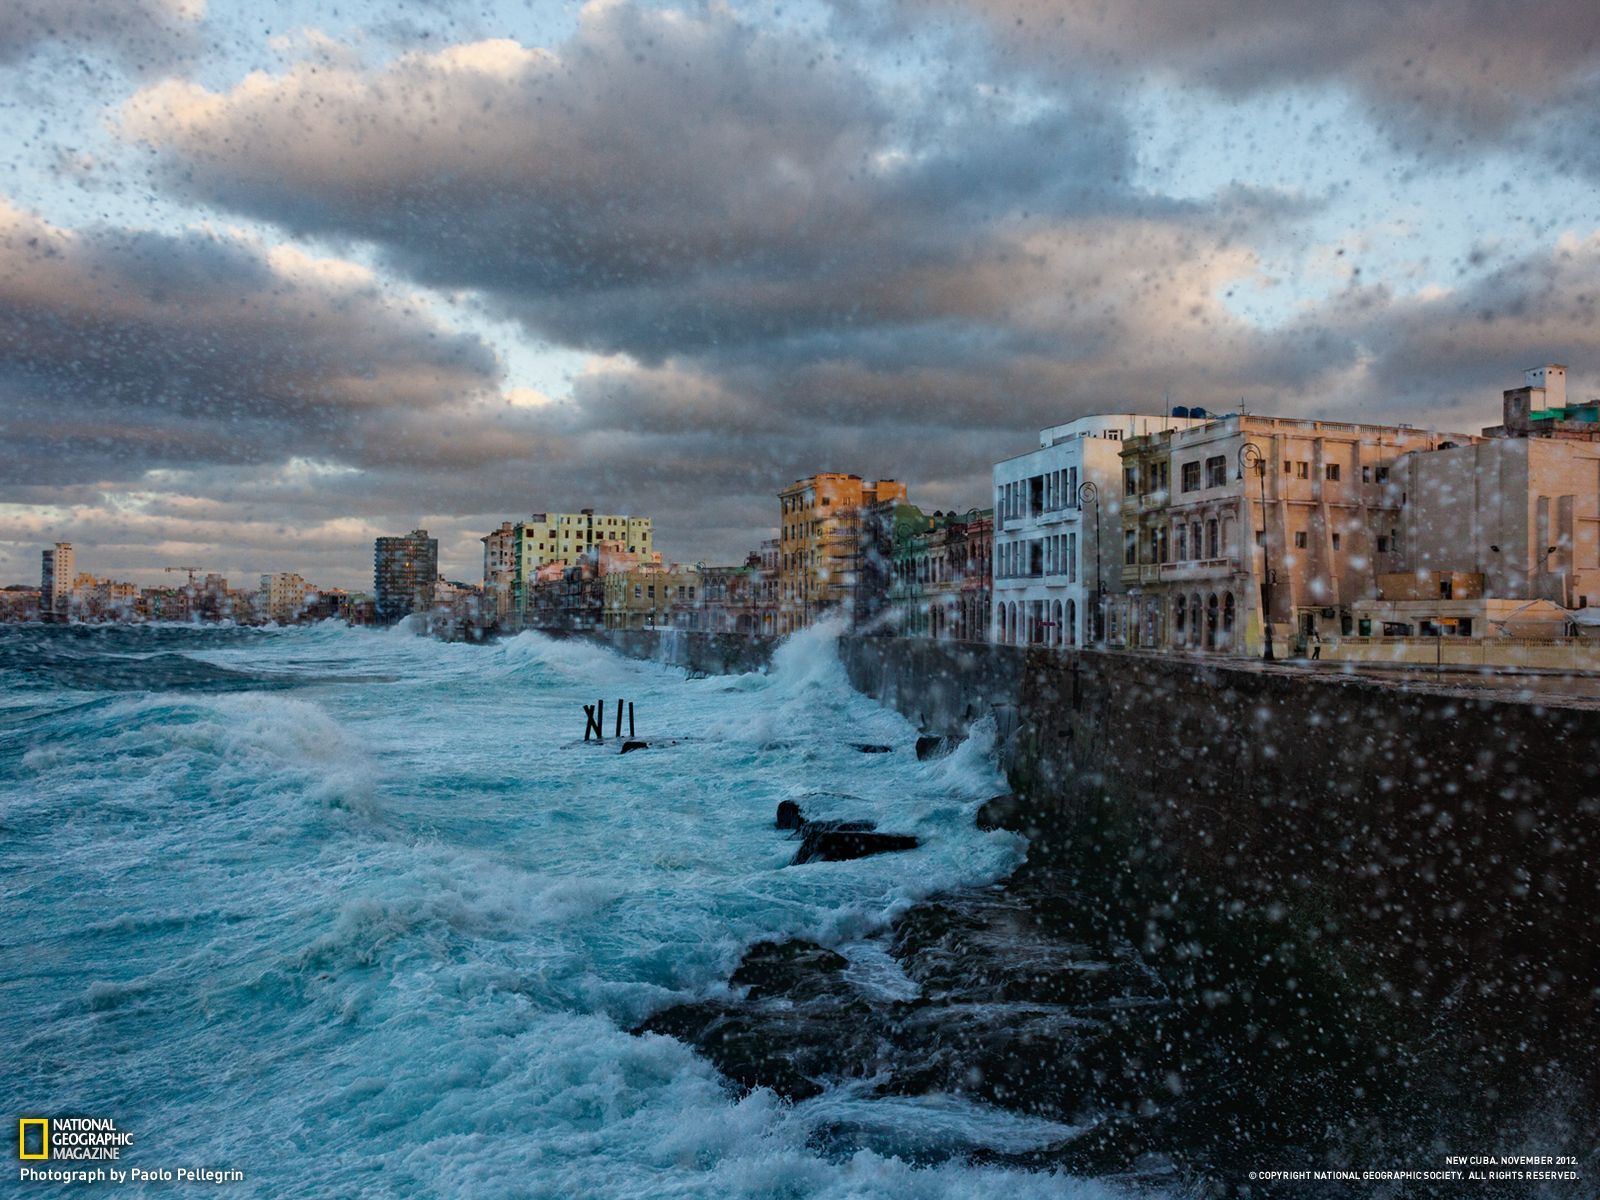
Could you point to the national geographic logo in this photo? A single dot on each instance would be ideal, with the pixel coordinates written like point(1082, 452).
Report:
point(75, 1139)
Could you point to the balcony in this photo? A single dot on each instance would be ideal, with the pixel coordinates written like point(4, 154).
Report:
point(1200, 568)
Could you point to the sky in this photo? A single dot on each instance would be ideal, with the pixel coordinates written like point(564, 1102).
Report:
point(278, 279)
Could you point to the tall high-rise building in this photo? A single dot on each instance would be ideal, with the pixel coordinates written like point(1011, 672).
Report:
point(55, 582)
point(404, 570)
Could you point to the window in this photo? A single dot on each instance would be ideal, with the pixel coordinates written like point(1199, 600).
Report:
point(1130, 548)
point(1383, 474)
point(1191, 477)
point(1130, 481)
point(1212, 549)
point(1383, 544)
point(1288, 467)
point(1183, 543)
point(1366, 474)
point(1331, 472)
point(1302, 470)
point(1300, 539)
point(1336, 541)
point(1217, 472)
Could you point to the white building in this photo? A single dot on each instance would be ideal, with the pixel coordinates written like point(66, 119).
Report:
point(1049, 534)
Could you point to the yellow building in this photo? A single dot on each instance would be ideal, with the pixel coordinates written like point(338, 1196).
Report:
point(819, 544)
point(548, 537)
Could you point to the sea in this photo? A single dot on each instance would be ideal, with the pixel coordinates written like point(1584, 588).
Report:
point(359, 913)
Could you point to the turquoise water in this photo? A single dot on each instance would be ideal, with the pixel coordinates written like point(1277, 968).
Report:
point(357, 913)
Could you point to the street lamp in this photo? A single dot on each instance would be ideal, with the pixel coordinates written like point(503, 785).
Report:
point(1087, 492)
point(1250, 454)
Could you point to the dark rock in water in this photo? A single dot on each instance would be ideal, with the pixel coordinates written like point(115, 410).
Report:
point(872, 748)
point(836, 841)
point(627, 746)
point(800, 1026)
point(932, 746)
point(789, 815)
point(795, 970)
point(1001, 812)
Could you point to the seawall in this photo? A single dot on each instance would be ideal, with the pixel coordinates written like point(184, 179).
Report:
point(1435, 852)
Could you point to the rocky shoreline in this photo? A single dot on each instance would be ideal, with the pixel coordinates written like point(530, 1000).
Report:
point(1056, 994)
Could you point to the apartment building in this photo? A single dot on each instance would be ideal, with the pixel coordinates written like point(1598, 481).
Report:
point(1057, 528)
point(820, 544)
point(1231, 521)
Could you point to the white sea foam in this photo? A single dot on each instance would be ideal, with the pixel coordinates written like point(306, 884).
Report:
point(385, 934)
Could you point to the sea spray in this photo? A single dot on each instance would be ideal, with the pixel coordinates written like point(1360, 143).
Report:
point(382, 929)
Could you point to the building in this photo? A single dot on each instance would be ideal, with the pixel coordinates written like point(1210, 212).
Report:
point(942, 577)
point(546, 538)
point(1230, 520)
point(1057, 527)
point(1539, 409)
point(403, 573)
point(57, 575)
point(1523, 513)
point(283, 596)
point(766, 585)
point(19, 602)
point(820, 544)
point(731, 597)
point(652, 596)
point(499, 569)
point(886, 530)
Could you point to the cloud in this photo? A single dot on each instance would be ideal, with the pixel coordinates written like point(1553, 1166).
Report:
point(1441, 70)
point(122, 351)
point(146, 35)
point(661, 183)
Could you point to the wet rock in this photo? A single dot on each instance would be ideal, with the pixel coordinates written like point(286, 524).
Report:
point(631, 746)
point(872, 748)
point(1001, 812)
point(838, 841)
point(789, 815)
point(932, 746)
point(797, 971)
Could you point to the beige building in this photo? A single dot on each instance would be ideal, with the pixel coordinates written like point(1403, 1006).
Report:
point(499, 568)
point(1244, 516)
point(819, 544)
point(57, 575)
point(643, 597)
point(284, 595)
point(1523, 513)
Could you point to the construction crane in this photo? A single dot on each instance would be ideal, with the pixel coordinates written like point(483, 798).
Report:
point(193, 571)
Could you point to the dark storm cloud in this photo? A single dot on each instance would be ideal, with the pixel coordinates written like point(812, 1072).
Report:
point(143, 34)
point(122, 351)
point(662, 183)
point(1440, 69)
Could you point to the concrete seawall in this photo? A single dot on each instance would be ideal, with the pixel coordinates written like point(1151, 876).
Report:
point(1438, 850)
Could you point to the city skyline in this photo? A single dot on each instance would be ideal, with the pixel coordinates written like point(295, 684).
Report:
point(275, 290)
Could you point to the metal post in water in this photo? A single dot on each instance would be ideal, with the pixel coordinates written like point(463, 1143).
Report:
point(600, 721)
point(630, 718)
point(619, 717)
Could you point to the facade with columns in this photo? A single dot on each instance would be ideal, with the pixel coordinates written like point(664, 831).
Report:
point(1208, 544)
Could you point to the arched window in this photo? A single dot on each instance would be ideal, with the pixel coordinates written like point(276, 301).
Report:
point(1072, 622)
point(1177, 621)
point(1211, 620)
point(1227, 621)
point(1212, 549)
point(1195, 620)
point(1060, 638)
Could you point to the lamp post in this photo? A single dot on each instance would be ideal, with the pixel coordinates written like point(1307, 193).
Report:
point(1087, 492)
point(1250, 454)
